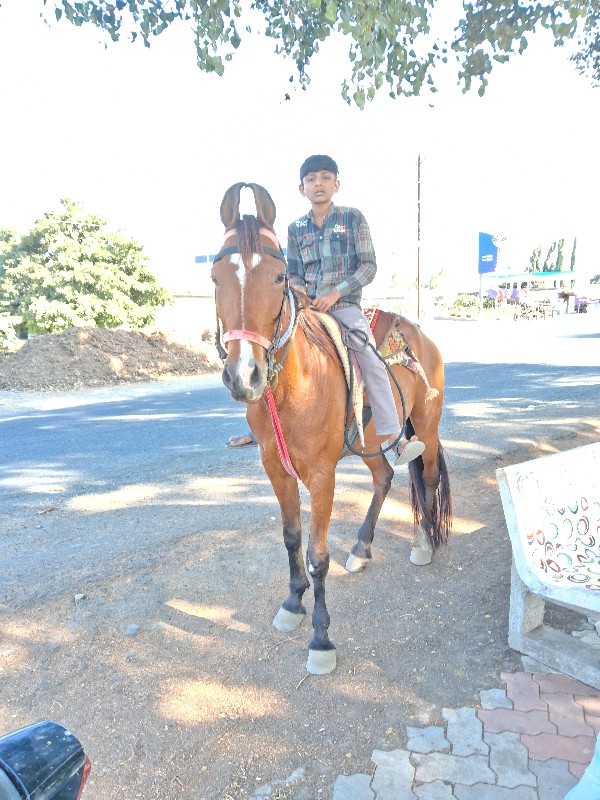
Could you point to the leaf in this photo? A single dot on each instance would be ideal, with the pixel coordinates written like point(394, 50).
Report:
point(359, 98)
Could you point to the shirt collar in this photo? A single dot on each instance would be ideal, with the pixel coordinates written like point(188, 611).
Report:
point(310, 215)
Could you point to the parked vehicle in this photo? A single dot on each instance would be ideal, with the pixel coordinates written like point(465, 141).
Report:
point(43, 761)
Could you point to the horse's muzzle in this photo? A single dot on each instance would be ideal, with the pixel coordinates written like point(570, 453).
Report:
point(245, 384)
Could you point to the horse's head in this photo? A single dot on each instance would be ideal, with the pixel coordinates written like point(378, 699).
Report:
point(250, 277)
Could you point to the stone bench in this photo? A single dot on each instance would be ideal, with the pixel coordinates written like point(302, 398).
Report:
point(552, 511)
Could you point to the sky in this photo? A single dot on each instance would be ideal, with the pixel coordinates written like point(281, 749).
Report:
point(145, 140)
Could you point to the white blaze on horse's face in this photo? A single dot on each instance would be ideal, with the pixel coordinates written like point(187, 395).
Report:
point(246, 361)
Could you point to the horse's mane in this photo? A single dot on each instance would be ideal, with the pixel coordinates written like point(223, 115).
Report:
point(312, 329)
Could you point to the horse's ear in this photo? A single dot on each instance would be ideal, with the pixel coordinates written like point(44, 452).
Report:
point(265, 207)
point(230, 206)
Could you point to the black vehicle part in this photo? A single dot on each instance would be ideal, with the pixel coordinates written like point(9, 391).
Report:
point(44, 761)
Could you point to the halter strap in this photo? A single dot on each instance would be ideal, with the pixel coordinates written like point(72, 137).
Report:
point(249, 336)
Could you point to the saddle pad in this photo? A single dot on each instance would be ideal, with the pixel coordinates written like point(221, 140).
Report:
point(393, 346)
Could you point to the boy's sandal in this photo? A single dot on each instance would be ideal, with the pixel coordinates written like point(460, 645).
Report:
point(410, 451)
point(236, 441)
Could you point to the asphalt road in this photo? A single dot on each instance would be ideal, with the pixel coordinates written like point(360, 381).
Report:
point(62, 450)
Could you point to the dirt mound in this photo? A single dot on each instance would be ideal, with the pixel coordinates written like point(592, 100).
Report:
point(81, 357)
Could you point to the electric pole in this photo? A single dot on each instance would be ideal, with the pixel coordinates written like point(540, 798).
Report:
point(419, 237)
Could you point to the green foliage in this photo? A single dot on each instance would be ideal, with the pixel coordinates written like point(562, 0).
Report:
point(465, 305)
point(560, 255)
point(69, 270)
point(535, 260)
point(555, 257)
point(9, 341)
point(596, 278)
point(390, 43)
point(550, 260)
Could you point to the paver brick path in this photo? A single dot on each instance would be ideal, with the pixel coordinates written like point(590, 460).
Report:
point(530, 741)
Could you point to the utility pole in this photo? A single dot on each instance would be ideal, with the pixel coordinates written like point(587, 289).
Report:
point(419, 236)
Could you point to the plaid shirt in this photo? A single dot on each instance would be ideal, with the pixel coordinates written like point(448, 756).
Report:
point(339, 255)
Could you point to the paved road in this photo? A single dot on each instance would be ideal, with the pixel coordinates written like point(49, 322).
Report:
point(61, 446)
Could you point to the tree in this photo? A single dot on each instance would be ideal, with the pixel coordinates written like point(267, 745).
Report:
point(535, 260)
point(69, 270)
point(390, 42)
point(549, 261)
point(560, 255)
point(573, 254)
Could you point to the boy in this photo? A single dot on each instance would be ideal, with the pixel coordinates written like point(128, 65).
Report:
point(331, 256)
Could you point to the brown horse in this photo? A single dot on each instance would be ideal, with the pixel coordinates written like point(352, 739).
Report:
point(281, 362)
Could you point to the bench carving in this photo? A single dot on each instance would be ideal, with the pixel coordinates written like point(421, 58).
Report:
point(552, 510)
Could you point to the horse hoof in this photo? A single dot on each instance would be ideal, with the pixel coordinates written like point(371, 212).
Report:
point(321, 662)
point(420, 556)
point(286, 622)
point(356, 564)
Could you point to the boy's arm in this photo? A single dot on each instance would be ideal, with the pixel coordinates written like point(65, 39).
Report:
point(366, 268)
point(294, 261)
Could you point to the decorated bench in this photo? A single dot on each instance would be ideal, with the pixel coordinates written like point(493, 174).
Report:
point(552, 511)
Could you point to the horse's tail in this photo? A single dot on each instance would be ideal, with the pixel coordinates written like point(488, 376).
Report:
point(436, 523)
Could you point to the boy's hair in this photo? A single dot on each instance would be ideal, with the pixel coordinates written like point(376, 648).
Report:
point(316, 164)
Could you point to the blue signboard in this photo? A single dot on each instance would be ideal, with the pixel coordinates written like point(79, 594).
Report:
point(488, 253)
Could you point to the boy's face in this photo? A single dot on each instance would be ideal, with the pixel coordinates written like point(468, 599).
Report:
point(319, 187)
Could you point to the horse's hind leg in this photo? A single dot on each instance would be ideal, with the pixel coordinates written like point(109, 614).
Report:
point(382, 474)
point(291, 612)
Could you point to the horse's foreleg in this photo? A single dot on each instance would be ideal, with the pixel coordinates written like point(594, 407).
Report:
point(382, 474)
point(291, 612)
point(321, 651)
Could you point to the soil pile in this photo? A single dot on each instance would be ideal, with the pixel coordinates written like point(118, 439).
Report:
point(82, 357)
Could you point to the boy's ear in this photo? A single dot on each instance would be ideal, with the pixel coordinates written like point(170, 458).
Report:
point(301, 189)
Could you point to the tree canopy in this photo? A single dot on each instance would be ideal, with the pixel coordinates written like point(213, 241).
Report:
point(391, 44)
point(69, 270)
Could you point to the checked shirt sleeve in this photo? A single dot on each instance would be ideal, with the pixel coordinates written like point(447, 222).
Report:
point(366, 265)
point(294, 260)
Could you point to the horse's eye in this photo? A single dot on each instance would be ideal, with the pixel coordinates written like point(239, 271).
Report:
point(280, 278)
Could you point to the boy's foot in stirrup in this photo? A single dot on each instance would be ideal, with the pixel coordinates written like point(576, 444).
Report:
point(409, 451)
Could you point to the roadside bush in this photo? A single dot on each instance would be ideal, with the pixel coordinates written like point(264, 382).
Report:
point(9, 341)
point(465, 305)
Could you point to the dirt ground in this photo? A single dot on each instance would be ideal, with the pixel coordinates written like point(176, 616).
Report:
point(85, 357)
point(182, 690)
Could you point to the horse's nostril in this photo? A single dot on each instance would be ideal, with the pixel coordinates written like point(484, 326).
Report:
point(255, 377)
point(227, 380)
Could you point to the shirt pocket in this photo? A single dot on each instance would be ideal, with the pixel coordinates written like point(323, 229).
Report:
point(339, 244)
point(309, 250)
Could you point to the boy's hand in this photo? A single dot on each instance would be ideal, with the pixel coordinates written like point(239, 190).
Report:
point(324, 301)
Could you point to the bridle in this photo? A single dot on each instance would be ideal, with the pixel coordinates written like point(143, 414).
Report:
point(272, 347)
point(280, 340)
